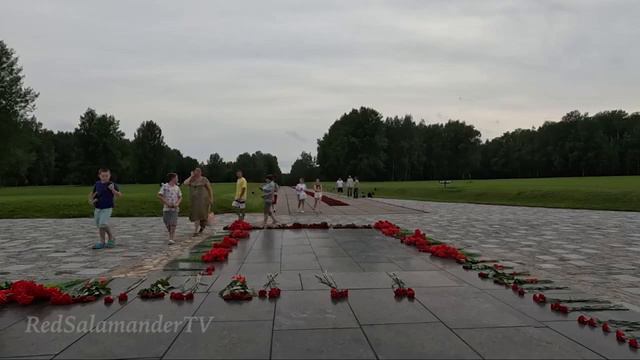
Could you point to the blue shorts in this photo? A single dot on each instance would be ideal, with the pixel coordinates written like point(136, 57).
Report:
point(102, 216)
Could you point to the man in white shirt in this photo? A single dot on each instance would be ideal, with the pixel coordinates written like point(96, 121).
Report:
point(339, 185)
point(349, 186)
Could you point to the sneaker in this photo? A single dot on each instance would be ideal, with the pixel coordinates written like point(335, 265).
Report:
point(111, 243)
point(171, 242)
point(98, 246)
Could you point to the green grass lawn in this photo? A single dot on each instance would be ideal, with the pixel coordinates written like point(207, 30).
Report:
point(138, 200)
point(604, 193)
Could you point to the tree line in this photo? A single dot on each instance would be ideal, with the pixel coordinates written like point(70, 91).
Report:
point(360, 143)
point(363, 143)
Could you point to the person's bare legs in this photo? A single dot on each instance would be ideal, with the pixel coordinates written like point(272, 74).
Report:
point(102, 234)
point(107, 231)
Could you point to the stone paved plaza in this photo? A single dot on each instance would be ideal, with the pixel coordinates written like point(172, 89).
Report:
point(455, 314)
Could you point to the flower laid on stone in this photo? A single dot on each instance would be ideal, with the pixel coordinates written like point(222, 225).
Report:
point(237, 289)
point(270, 289)
point(336, 294)
point(208, 271)
point(215, 254)
point(239, 234)
point(239, 225)
point(399, 289)
point(387, 228)
point(124, 296)
point(27, 292)
point(227, 242)
point(188, 289)
point(158, 289)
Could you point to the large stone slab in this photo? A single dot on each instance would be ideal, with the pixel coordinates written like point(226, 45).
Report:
point(523, 343)
point(312, 310)
point(417, 341)
point(382, 307)
point(321, 344)
point(224, 340)
point(466, 307)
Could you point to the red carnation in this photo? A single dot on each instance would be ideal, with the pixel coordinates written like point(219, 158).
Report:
point(620, 336)
point(540, 298)
point(398, 292)
point(108, 300)
point(335, 294)
point(606, 328)
point(593, 322)
point(24, 299)
point(123, 297)
point(583, 320)
point(262, 293)
point(189, 296)
point(274, 293)
point(483, 275)
point(411, 294)
point(515, 287)
point(521, 292)
point(634, 343)
point(176, 296)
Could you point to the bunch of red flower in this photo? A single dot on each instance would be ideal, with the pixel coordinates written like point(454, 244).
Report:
point(237, 289)
point(446, 251)
point(337, 294)
point(272, 293)
point(387, 228)
point(226, 243)
point(216, 254)
point(208, 271)
point(25, 292)
point(240, 234)
point(559, 308)
point(404, 292)
point(417, 239)
point(272, 285)
point(539, 298)
point(181, 296)
point(239, 225)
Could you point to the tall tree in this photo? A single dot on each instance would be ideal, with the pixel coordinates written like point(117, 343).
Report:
point(149, 151)
point(100, 144)
point(17, 103)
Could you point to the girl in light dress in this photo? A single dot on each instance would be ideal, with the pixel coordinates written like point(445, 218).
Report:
point(301, 192)
point(317, 189)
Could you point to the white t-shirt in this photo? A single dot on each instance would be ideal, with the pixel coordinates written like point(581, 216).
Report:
point(339, 183)
point(171, 195)
point(301, 191)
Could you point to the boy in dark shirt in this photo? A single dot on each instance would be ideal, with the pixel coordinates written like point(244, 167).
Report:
point(101, 197)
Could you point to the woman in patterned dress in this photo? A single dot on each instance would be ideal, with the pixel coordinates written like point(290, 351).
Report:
point(201, 196)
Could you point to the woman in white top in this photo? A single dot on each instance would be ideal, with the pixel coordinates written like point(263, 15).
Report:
point(301, 192)
point(317, 195)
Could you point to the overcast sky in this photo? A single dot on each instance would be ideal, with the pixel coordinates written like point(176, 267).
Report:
point(236, 76)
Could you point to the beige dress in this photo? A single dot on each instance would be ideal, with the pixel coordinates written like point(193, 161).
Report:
point(199, 196)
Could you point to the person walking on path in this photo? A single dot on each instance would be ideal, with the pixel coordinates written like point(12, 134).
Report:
point(240, 200)
point(102, 198)
point(171, 196)
point(268, 193)
point(356, 187)
point(275, 195)
point(349, 186)
point(339, 185)
point(317, 193)
point(301, 193)
point(201, 196)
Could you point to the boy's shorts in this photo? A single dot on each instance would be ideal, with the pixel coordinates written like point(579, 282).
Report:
point(170, 218)
point(102, 216)
point(238, 204)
